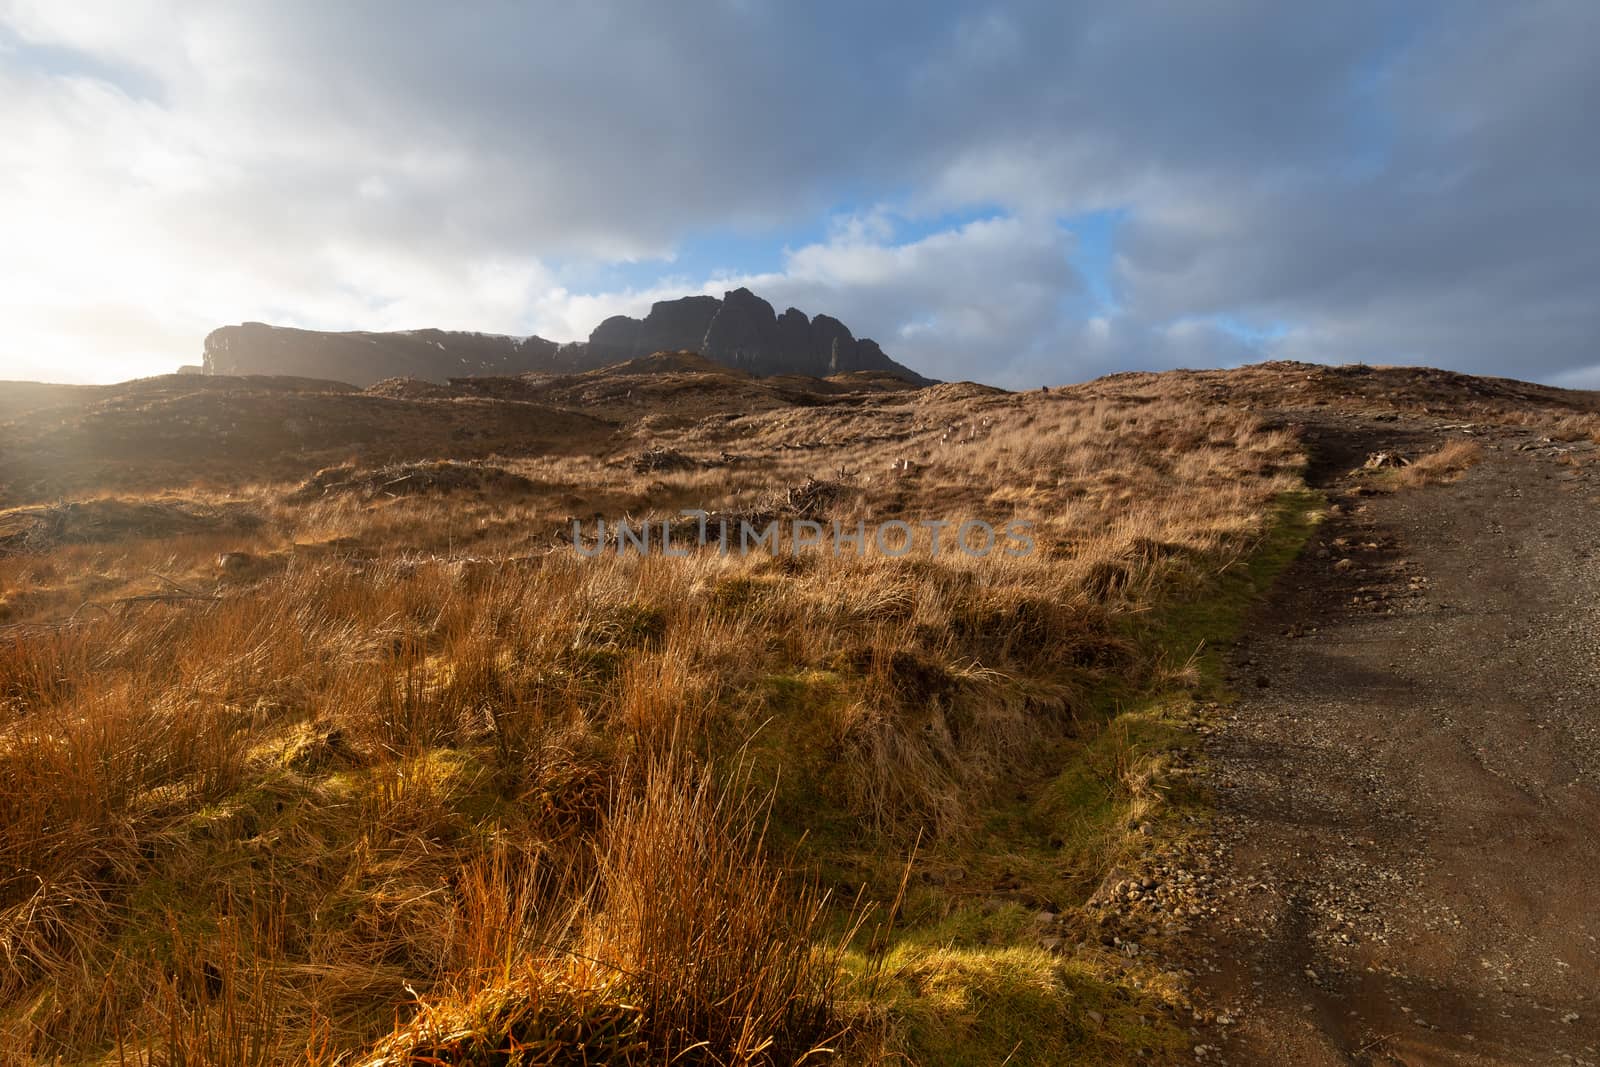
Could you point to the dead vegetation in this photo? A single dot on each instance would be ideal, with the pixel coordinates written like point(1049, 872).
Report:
point(417, 783)
point(40, 528)
point(662, 459)
point(402, 479)
point(690, 948)
point(1385, 461)
point(1446, 463)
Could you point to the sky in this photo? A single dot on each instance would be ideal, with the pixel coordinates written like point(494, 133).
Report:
point(1015, 193)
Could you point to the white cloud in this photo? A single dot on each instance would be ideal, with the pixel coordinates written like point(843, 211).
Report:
point(995, 300)
point(981, 295)
point(1384, 182)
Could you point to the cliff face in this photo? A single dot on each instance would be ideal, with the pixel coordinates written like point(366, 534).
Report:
point(671, 326)
point(742, 331)
point(739, 331)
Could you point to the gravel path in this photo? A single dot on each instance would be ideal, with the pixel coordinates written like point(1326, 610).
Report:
point(1409, 789)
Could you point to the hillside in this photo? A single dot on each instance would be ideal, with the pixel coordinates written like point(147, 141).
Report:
point(740, 331)
point(363, 357)
point(335, 727)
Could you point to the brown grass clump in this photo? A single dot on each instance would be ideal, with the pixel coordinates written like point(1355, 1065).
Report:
point(720, 954)
point(688, 948)
point(1445, 464)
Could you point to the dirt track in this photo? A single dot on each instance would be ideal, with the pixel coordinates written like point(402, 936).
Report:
point(1409, 789)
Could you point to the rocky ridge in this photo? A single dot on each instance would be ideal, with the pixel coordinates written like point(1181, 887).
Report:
point(740, 331)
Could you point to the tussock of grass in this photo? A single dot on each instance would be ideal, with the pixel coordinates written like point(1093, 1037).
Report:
point(1446, 463)
point(687, 948)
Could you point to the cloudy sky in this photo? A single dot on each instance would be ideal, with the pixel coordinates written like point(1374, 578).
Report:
point(1017, 193)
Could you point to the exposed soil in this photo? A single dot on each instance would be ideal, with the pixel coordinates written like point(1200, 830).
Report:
point(1409, 787)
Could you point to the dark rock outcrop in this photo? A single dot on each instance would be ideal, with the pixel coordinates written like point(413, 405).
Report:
point(738, 331)
point(793, 331)
point(671, 326)
point(616, 338)
point(833, 346)
point(868, 354)
point(741, 331)
point(744, 334)
point(678, 325)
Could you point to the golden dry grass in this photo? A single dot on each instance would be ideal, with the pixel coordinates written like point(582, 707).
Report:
point(1446, 463)
point(416, 778)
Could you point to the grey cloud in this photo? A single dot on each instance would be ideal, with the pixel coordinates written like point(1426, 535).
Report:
point(1464, 248)
point(974, 302)
point(1402, 182)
